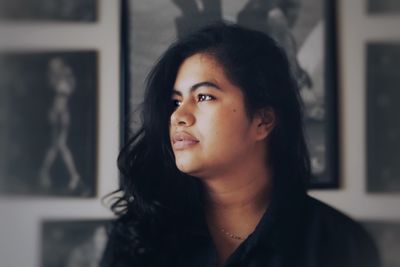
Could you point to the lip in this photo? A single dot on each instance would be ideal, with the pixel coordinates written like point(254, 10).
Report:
point(183, 140)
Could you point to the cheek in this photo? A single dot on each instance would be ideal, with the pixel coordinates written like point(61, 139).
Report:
point(227, 127)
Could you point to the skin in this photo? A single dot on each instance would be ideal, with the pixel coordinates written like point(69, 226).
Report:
point(229, 155)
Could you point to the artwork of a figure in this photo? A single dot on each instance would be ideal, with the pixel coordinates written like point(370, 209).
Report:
point(383, 129)
point(48, 117)
point(63, 83)
point(276, 18)
point(89, 253)
point(196, 14)
point(383, 7)
point(55, 10)
point(387, 238)
point(73, 243)
point(304, 28)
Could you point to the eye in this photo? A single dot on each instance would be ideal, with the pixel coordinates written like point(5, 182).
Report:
point(203, 97)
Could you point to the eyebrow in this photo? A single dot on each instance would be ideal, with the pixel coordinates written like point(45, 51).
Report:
point(197, 86)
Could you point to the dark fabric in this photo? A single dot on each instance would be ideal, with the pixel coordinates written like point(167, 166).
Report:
point(295, 231)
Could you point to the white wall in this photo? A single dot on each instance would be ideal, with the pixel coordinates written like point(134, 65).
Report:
point(20, 218)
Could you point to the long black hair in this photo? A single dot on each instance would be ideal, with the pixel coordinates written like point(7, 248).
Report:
point(157, 202)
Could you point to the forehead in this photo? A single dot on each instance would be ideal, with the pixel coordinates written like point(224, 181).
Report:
point(198, 68)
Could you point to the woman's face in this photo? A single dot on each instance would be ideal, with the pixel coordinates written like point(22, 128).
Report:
point(210, 131)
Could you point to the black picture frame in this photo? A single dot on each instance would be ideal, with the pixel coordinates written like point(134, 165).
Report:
point(142, 20)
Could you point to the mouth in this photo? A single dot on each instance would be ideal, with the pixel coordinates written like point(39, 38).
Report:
point(183, 140)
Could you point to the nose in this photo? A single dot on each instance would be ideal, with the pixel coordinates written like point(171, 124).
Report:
point(182, 116)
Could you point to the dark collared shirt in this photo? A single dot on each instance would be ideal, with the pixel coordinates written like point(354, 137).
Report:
point(296, 231)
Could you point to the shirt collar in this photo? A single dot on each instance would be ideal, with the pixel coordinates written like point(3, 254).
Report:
point(278, 227)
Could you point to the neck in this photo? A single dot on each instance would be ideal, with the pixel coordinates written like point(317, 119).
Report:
point(242, 188)
point(236, 203)
point(250, 195)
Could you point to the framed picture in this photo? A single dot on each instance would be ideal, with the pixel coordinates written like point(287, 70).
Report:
point(49, 10)
point(382, 109)
point(48, 123)
point(383, 7)
point(387, 238)
point(73, 243)
point(149, 26)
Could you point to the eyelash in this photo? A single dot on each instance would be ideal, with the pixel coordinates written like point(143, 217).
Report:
point(200, 98)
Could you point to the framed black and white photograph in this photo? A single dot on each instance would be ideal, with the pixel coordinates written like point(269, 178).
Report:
point(305, 28)
point(48, 123)
point(387, 238)
point(73, 243)
point(383, 128)
point(49, 10)
point(383, 7)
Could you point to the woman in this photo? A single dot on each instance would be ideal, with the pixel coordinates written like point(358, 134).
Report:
point(217, 174)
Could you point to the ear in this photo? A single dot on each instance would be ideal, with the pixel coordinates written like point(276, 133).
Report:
point(265, 121)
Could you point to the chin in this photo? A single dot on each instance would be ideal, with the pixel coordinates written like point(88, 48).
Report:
point(185, 168)
point(188, 168)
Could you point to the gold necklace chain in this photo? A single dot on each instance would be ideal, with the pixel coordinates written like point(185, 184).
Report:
point(233, 236)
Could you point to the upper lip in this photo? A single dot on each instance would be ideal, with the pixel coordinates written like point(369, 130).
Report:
point(183, 136)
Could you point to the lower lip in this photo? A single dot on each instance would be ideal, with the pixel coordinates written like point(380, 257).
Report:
point(180, 145)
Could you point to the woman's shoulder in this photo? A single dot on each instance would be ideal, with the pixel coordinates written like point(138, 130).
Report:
point(337, 233)
point(331, 221)
point(322, 211)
